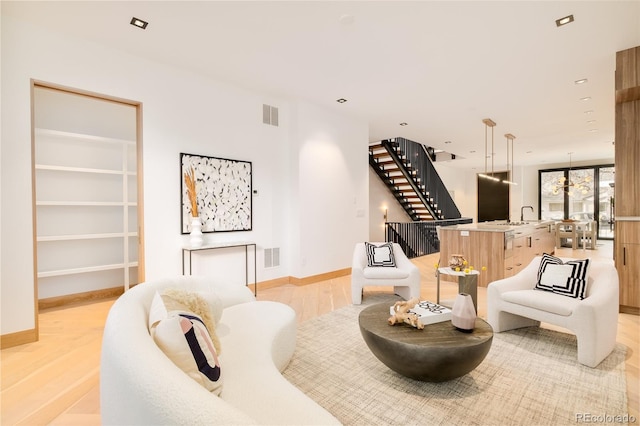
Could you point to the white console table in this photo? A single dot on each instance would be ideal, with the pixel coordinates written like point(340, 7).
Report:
point(188, 251)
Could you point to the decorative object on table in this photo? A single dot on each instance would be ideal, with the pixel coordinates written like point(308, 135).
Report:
point(431, 313)
point(224, 193)
point(457, 261)
point(463, 314)
point(195, 236)
point(401, 313)
point(196, 224)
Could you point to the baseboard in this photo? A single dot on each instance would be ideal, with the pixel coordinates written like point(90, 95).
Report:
point(633, 310)
point(19, 338)
point(263, 285)
point(55, 302)
point(320, 277)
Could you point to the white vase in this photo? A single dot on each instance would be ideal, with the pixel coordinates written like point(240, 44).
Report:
point(196, 232)
point(463, 313)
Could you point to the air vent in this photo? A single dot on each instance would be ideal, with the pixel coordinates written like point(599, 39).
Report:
point(270, 115)
point(271, 257)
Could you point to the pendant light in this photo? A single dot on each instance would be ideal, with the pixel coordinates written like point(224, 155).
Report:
point(488, 123)
point(510, 139)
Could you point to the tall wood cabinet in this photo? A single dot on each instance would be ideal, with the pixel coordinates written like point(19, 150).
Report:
point(627, 180)
point(86, 195)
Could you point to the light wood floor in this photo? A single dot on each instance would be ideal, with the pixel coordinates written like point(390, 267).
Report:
point(55, 381)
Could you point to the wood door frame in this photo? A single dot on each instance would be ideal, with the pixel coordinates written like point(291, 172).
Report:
point(139, 183)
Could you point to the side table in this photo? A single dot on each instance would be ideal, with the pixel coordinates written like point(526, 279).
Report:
point(467, 283)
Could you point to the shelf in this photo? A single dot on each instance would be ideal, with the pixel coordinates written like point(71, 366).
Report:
point(85, 270)
point(59, 133)
point(82, 170)
point(86, 236)
point(85, 203)
point(86, 177)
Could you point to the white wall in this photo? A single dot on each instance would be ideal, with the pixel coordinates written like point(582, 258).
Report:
point(333, 188)
point(464, 186)
point(310, 173)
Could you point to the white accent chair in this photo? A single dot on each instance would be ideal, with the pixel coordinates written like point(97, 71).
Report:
point(513, 303)
point(405, 277)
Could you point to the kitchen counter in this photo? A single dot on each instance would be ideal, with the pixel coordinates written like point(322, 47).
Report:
point(501, 226)
point(503, 248)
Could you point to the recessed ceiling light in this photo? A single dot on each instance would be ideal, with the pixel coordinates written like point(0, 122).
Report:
point(447, 141)
point(139, 23)
point(591, 121)
point(589, 112)
point(403, 124)
point(564, 21)
point(586, 98)
point(593, 130)
point(581, 81)
point(341, 100)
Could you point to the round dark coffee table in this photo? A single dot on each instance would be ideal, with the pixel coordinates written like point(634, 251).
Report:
point(437, 353)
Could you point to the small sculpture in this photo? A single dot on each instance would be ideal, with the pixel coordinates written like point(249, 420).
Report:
point(457, 261)
point(401, 314)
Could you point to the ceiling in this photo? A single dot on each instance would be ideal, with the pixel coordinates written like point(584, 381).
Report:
point(441, 67)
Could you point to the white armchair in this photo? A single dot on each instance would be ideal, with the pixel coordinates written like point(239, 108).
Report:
point(513, 303)
point(405, 277)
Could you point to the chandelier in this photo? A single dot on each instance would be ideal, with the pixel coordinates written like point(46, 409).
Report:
point(568, 186)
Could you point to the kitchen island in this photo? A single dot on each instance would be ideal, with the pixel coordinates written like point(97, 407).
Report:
point(504, 248)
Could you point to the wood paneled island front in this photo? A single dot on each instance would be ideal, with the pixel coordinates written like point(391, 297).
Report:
point(503, 248)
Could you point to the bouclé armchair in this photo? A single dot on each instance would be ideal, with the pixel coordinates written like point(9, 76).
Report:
point(513, 303)
point(404, 277)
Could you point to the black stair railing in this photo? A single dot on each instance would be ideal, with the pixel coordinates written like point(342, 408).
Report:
point(400, 157)
point(419, 238)
point(390, 183)
point(419, 166)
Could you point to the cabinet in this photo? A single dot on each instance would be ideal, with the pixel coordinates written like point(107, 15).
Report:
point(627, 254)
point(542, 240)
point(627, 180)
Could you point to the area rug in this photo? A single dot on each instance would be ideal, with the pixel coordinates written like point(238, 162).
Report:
point(530, 377)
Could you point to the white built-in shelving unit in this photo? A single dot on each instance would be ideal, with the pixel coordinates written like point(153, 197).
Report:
point(86, 212)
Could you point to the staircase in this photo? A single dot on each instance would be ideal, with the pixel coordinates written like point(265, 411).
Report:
point(405, 167)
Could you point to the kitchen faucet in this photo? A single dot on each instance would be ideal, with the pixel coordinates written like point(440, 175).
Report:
point(522, 212)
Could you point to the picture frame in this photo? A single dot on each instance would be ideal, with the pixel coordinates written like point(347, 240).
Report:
point(223, 192)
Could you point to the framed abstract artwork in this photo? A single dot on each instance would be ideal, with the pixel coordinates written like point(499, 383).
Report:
point(223, 192)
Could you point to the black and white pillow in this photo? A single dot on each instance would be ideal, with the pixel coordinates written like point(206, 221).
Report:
point(381, 255)
point(565, 278)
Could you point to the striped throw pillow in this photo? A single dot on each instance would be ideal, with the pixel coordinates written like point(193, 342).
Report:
point(381, 255)
point(567, 279)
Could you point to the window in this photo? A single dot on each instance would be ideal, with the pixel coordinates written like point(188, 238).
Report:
point(584, 193)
